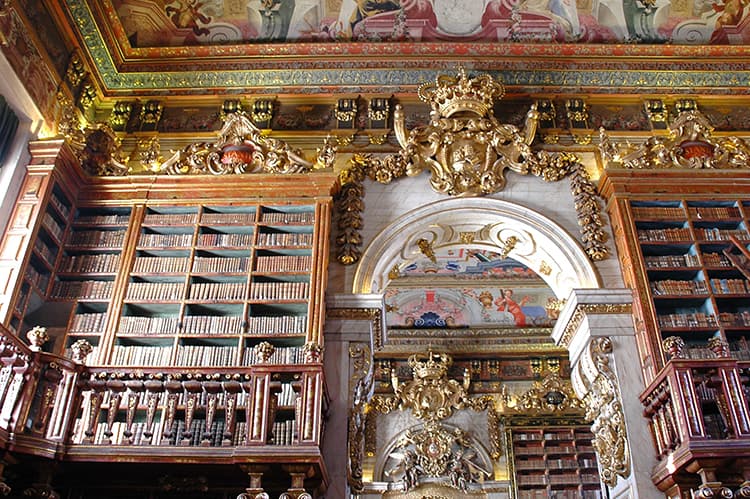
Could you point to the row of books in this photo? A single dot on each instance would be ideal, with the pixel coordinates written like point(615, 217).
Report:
point(213, 324)
point(285, 263)
point(228, 218)
point(562, 464)
point(282, 324)
point(88, 322)
point(714, 234)
point(716, 260)
point(220, 264)
point(84, 290)
point(47, 253)
point(218, 290)
point(154, 240)
point(730, 286)
point(206, 355)
point(96, 263)
point(529, 451)
point(161, 264)
point(99, 238)
point(281, 355)
point(284, 239)
point(530, 464)
point(53, 226)
point(670, 234)
point(127, 355)
point(63, 208)
point(714, 213)
point(658, 212)
point(224, 239)
point(666, 261)
point(279, 291)
point(305, 217)
point(676, 287)
point(735, 319)
point(102, 219)
point(38, 279)
point(695, 319)
point(170, 218)
point(283, 432)
point(141, 325)
point(160, 291)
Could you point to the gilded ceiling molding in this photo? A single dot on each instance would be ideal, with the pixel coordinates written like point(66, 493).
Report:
point(466, 150)
point(689, 144)
point(585, 309)
point(597, 386)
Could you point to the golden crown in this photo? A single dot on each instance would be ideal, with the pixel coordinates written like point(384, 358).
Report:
point(450, 95)
point(432, 366)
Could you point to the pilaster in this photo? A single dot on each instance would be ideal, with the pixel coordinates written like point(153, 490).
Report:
point(596, 327)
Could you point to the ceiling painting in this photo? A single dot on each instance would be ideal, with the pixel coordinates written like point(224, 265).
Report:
point(177, 23)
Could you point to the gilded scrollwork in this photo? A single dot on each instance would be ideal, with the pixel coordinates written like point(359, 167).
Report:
point(360, 388)
point(550, 396)
point(597, 386)
point(243, 148)
point(690, 144)
point(467, 151)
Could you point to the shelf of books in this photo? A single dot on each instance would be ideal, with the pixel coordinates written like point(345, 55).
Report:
point(692, 260)
point(555, 462)
point(87, 271)
point(209, 283)
point(45, 251)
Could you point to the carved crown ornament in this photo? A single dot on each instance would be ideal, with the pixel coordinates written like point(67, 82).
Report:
point(466, 150)
point(689, 144)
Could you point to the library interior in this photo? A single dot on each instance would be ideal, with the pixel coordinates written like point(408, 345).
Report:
point(329, 249)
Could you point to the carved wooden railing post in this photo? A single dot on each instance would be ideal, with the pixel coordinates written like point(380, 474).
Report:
point(310, 415)
point(154, 389)
point(212, 388)
point(232, 390)
point(174, 391)
point(596, 326)
point(116, 388)
point(93, 407)
point(257, 408)
point(193, 390)
point(135, 389)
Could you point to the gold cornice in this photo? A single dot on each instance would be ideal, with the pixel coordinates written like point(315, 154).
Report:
point(584, 309)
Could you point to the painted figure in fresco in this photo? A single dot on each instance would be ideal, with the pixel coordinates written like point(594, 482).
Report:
point(732, 12)
point(187, 14)
point(505, 303)
point(354, 11)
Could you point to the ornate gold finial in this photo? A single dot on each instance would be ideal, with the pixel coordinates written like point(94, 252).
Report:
point(450, 95)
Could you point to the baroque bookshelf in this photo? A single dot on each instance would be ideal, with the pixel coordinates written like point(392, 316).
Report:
point(677, 236)
point(202, 297)
point(554, 462)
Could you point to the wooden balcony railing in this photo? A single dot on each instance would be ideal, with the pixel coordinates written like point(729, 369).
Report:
point(699, 418)
point(54, 407)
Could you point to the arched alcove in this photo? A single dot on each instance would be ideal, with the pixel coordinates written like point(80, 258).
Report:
point(479, 223)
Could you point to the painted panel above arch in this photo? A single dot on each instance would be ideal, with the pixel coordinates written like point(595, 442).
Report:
point(502, 227)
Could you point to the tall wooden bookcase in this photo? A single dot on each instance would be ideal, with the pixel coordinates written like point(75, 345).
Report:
point(202, 297)
point(672, 228)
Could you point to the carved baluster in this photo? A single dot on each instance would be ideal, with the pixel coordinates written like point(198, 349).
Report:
point(194, 390)
point(310, 407)
point(298, 473)
point(736, 403)
point(116, 389)
point(257, 391)
point(174, 391)
point(135, 390)
point(212, 400)
point(154, 389)
point(231, 391)
point(249, 398)
point(95, 405)
point(297, 388)
point(52, 377)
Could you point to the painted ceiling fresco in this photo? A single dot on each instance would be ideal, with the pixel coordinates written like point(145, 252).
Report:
point(164, 23)
point(464, 287)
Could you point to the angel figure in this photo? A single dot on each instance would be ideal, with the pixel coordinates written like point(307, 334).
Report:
point(462, 471)
point(407, 464)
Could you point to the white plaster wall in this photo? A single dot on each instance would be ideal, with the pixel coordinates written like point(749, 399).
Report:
point(386, 203)
point(30, 122)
